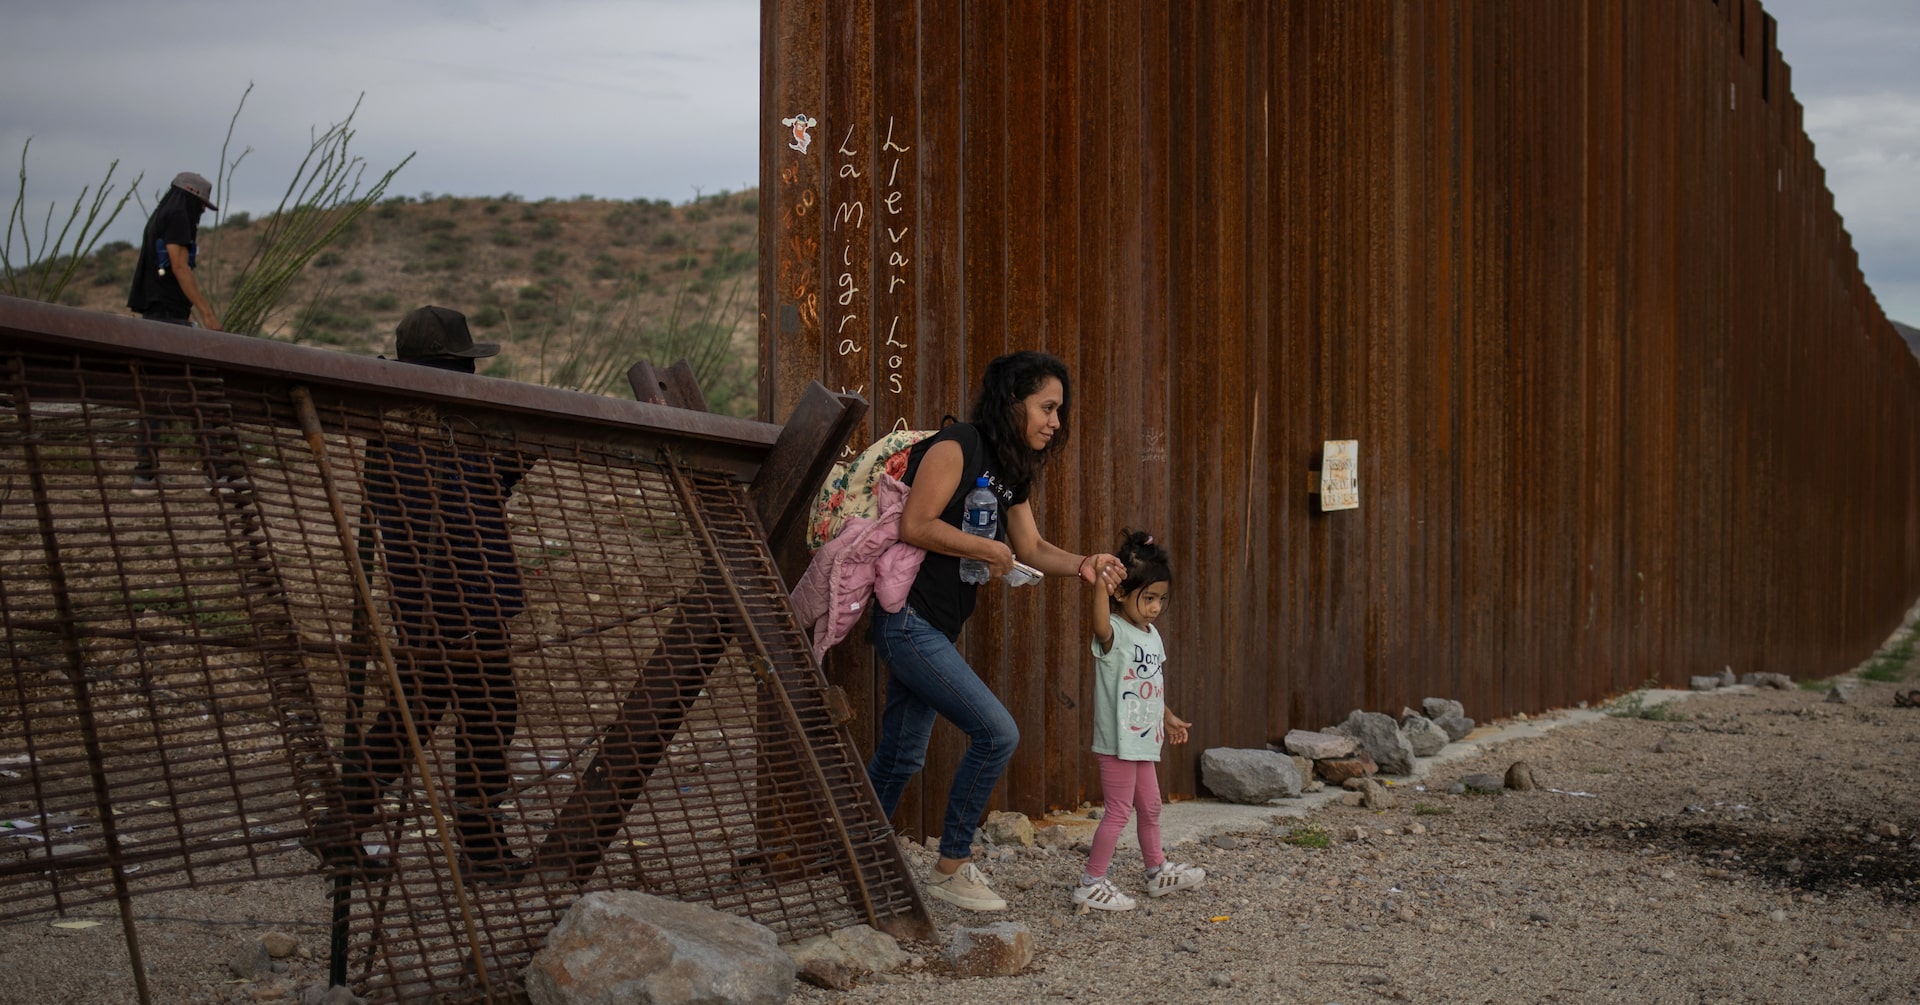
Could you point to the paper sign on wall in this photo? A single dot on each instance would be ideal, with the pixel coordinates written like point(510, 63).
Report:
point(1340, 475)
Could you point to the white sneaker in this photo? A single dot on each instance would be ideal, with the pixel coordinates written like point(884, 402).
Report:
point(1102, 896)
point(967, 888)
point(1174, 877)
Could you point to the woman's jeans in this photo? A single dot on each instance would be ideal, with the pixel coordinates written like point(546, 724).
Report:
point(928, 677)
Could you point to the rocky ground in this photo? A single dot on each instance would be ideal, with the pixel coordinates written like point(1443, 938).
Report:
point(1760, 849)
point(1758, 846)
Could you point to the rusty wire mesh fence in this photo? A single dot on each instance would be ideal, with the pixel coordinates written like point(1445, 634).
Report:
point(233, 604)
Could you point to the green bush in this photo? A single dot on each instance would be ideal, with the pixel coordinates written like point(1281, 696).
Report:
point(327, 259)
point(354, 277)
point(1308, 836)
point(1634, 706)
point(547, 229)
point(383, 302)
point(487, 316)
point(546, 261)
point(505, 238)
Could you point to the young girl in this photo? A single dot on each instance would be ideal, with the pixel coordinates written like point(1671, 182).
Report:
point(1130, 719)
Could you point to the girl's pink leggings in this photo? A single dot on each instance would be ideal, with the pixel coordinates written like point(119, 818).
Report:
point(1128, 785)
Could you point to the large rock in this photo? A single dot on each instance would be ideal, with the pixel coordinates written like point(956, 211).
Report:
point(1425, 737)
point(1339, 770)
point(1379, 737)
point(1006, 828)
point(1440, 708)
point(1774, 680)
point(1317, 746)
point(998, 950)
point(250, 960)
point(1249, 776)
point(860, 947)
point(1456, 727)
point(626, 948)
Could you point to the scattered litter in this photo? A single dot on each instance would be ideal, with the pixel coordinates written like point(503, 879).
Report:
point(1219, 917)
point(1588, 795)
point(76, 924)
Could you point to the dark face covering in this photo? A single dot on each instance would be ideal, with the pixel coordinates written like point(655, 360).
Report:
point(456, 363)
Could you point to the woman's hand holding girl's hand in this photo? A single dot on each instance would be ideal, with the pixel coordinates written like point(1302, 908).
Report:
point(1103, 569)
point(1176, 727)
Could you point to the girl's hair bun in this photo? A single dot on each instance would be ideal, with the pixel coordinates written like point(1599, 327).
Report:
point(1146, 562)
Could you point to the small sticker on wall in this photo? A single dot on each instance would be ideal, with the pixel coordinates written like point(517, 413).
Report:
point(800, 124)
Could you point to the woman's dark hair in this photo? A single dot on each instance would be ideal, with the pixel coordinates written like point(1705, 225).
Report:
point(1146, 562)
point(1008, 381)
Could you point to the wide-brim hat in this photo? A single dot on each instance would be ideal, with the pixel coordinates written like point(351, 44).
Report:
point(196, 185)
point(438, 331)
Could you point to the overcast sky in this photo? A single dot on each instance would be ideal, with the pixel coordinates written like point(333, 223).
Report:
point(612, 98)
point(653, 98)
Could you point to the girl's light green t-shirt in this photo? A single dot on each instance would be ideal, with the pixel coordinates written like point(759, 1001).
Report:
point(1129, 693)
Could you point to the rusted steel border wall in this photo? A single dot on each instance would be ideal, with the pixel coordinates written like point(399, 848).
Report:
point(1568, 272)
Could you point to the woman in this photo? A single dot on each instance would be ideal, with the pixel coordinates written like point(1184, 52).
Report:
point(1019, 422)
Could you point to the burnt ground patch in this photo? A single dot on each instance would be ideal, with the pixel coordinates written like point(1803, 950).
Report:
point(1815, 860)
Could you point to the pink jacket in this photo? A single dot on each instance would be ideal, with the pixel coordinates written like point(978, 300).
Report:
point(866, 559)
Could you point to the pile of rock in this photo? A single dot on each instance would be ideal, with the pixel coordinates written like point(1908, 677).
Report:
point(1725, 678)
point(1366, 744)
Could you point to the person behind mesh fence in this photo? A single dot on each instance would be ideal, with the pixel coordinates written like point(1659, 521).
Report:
point(440, 508)
point(164, 290)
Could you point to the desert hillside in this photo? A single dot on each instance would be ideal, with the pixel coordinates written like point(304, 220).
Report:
point(577, 289)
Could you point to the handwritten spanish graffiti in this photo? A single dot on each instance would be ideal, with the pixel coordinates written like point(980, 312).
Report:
point(897, 225)
point(851, 253)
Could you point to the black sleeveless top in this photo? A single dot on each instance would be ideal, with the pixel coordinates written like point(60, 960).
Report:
point(938, 594)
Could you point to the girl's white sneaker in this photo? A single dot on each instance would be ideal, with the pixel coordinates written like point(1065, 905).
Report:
point(1102, 896)
point(1174, 877)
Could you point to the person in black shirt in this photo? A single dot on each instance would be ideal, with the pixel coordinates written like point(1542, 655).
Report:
point(1018, 422)
point(164, 290)
point(440, 508)
point(163, 285)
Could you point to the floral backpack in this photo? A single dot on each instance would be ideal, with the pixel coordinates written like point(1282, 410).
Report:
point(849, 488)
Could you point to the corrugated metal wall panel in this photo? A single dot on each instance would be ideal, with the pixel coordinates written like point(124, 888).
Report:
point(1568, 272)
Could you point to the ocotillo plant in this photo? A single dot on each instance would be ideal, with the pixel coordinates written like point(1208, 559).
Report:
point(44, 272)
point(590, 350)
point(322, 200)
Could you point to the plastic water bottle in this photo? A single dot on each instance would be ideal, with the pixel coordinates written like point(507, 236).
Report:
point(982, 519)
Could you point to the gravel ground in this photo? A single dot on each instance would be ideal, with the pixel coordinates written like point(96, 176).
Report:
point(1728, 856)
